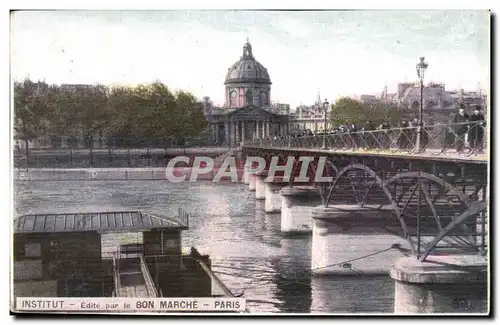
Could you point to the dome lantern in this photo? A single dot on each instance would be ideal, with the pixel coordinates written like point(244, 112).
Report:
point(247, 50)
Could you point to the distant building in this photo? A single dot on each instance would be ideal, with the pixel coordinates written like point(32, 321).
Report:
point(469, 98)
point(308, 117)
point(280, 108)
point(439, 105)
point(368, 98)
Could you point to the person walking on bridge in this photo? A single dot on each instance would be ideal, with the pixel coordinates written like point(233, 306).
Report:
point(461, 129)
point(404, 135)
point(476, 131)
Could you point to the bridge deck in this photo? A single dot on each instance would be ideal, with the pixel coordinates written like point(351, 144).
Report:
point(432, 154)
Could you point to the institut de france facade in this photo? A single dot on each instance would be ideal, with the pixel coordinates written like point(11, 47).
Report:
point(246, 113)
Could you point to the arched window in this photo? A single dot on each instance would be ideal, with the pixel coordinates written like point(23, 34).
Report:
point(264, 100)
point(249, 97)
point(232, 97)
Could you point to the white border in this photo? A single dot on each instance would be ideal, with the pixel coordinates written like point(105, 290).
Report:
point(6, 198)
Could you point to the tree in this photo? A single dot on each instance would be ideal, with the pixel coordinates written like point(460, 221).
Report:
point(347, 111)
point(191, 110)
point(350, 111)
point(144, 112)
point(30, 110)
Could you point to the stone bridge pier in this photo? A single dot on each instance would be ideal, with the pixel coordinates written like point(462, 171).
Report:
point(297, 205)
point(272, 192)
point(260, 185)
point(251, 182)
point(441, 284)
point(353, 240)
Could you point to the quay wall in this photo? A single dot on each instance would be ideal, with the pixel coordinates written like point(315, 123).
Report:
point(121, 174)
point(103, 158)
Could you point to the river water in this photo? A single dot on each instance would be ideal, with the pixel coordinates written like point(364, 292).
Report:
point(245, 244)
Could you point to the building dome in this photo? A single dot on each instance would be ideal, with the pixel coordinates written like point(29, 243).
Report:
point(247, 70)
point(435, 97)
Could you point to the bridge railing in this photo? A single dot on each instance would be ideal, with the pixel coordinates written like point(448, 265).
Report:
point(465, 138)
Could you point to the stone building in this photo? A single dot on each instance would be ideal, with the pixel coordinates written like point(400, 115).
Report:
point(280, 108)
point(247, 111)
point(309, 117)
point(439, 106)
point(469, 99)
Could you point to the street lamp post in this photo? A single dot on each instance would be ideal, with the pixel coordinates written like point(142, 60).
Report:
point(421, 67)
point(325, 109)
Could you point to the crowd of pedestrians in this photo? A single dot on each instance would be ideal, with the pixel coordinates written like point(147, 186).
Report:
point(468, 130)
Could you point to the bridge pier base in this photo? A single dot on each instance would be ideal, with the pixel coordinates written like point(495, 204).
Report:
point(260, 186)
point(251, 182)
point(273, 197)
point(297, 204)
point(441, 284)
point(349, 239)
point(246, 176)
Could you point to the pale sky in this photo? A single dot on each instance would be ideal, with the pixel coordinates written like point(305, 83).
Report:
point(336, 52)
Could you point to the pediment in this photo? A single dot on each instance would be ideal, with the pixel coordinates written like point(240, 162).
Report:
point(251, 112)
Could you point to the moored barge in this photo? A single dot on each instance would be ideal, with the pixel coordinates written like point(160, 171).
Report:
point(109, 254)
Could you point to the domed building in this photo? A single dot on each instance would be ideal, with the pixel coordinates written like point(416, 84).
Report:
point(246, 113)
point(439, 105)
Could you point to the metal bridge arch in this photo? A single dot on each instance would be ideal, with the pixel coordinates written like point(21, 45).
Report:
point(443, 189)
point(358, 166)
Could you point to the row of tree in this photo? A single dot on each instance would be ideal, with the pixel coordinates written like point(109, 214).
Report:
point(347, 111)
point(145, 111)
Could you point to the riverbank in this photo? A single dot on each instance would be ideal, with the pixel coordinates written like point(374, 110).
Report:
point(122, 174)
point(104, 158)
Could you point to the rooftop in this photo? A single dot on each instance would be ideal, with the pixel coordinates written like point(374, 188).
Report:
point(116, 221)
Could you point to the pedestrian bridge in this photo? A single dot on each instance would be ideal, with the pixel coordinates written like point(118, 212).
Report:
point(463, 141)
point(436, 192)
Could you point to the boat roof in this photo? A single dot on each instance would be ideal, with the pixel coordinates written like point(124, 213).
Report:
point(102, 222)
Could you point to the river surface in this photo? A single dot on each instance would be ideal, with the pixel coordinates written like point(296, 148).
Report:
point(245, 244)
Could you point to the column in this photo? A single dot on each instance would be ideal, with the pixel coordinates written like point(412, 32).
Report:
point(243, 130)
point(268, 128)
point(257, 130)
point(233, 133)
point(441, 284)
point(237, 137)
point(297, 205)
point(336, 245)
point(263, 129)
point(227, 137)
